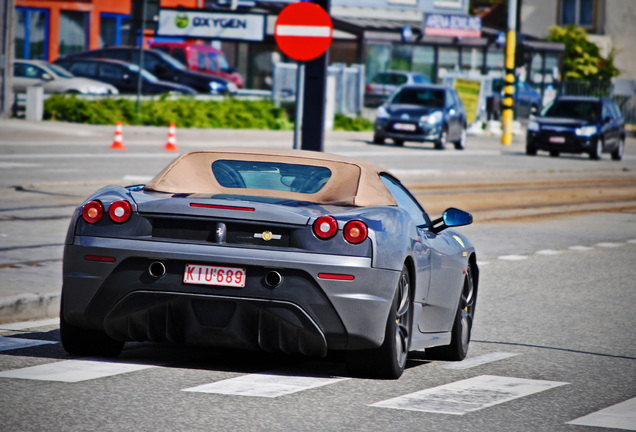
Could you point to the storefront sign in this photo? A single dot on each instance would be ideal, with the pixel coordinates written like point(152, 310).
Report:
point(452, 25)
point(211, 25)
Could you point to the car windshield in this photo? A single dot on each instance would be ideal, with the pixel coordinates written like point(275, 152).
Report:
point(60, 71)
point(574, 109)
point(144, 73)
point(389, 78)
point(173, 61)
point(425, 97)
point(270, 176)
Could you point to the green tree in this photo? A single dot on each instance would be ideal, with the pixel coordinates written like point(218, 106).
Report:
point(582, 59)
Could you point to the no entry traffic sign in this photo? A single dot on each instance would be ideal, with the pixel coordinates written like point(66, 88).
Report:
point(303, 31)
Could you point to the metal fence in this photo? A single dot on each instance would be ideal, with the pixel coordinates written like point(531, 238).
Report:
point(349, 86)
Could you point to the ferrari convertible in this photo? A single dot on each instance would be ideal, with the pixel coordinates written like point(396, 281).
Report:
point(284, 251)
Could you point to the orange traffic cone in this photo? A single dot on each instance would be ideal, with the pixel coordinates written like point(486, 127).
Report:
point(171, 145)
point(118, 143)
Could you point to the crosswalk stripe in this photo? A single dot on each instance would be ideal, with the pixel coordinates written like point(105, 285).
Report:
point(479, 360)
point(468, 395)
point(268, 385)
point(72, 371)
point(11, 343)
point(619, 416)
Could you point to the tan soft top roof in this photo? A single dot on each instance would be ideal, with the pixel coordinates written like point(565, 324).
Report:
point(353, 181)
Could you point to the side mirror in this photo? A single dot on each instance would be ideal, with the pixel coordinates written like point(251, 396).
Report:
point(452, 217)
point(607, 119)
point(47, 77)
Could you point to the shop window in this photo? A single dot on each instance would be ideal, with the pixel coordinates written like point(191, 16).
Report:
point(402, 57)
point(495, 62)
point(472, 59)
point(378, 59)
point(73, 32)
point(577, 12)
point(113, 29)
point(448, 60)
point(424, 60)
point(31, 33)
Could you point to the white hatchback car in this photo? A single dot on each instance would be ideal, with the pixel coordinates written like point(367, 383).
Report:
point(55, 79)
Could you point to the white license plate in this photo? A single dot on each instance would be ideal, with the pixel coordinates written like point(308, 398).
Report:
point(214, 275)
point(404, 127)
point(557, 139)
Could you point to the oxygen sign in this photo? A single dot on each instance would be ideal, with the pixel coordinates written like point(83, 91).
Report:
point(211, 25)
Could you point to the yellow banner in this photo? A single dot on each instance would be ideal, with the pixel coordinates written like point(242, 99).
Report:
point(468, 91)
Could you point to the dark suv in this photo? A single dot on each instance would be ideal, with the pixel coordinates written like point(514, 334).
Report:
point(164, 67)
point(122, 75)
point(572, 124)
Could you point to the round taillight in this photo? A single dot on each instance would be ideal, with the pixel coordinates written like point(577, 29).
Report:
point(355, 231)
point(120, 211)
point(93, 212)
point(325, 227)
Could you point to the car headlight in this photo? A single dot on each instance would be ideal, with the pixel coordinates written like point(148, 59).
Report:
point(432, 118)
point(231, 87)
point(216, 87)
point(382, 113)
point(585, 131)
point(533, 126)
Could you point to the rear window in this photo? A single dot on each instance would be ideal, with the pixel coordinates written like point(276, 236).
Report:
point(305, 179)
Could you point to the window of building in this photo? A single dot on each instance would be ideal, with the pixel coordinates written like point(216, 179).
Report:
point(31, 33)
point(402, 57)
point(378, 59)
point(578, 12)
point(472, 59)
point(113, 29)
point(448, 60)
point(424, 60)
point(73, 32)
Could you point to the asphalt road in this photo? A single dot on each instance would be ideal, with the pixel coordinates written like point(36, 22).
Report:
point(553, 339)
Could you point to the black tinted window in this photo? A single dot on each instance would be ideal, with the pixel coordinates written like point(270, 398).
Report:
point(414, 96)
point(110, 72)
point(581, 110)
point(85, 69)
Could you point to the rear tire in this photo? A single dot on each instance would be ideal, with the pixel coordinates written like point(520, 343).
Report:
point(462, 327)
point(461, 143)
point(595, 153)
point(389, 360)
point(378, 139)
point(530, 150)
point(398, 142)
point(554, 153)
point(440, 144)
point(86, 342)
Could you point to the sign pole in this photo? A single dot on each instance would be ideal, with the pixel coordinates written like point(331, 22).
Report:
point(300, 93)
point(509, 79)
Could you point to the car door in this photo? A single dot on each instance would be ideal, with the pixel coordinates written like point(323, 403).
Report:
point(608, 126)
point(452, 112)
point(119, 76)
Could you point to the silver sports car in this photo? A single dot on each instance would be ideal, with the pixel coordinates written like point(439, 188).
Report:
point(285, 251)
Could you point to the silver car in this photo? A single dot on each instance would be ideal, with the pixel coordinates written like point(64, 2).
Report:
point(55, 79)
point(384, 84)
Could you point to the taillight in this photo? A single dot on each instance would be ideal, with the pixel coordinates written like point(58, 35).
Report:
point(120, 211)
point(93, 212)
point(325, 227)
point(355, 231)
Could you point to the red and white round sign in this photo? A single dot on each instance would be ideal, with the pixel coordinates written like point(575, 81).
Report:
point(303, 31)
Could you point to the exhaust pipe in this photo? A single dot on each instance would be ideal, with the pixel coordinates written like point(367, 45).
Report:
point(157, 269)
point(273, 279)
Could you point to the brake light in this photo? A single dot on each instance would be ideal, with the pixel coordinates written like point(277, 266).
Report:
point(355, 231)
point(325, 227)
point(120, 211)
point(93, 212)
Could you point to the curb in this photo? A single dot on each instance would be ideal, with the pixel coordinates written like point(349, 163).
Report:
point(26, 307)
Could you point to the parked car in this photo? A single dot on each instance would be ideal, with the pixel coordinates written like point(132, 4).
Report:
point(384, 84)
point(201, 58)
point(570, 124)
point(527, 100)
point(54, 79)
point(429, 113)
point(165, 68)
point(285, 251)
point(122, 75)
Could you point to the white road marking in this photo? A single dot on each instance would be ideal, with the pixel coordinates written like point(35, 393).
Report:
point(468, 395)
point(482, 263)
point(264, 385)
point(23, 325)
point(10, 343)
point(512, 257)
point(609, 245)
point(633, 241)
point(548, 252)
point(581, 248)
point(9, 165)
point(74, 370)
point(479, 360)
point(619, 416)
